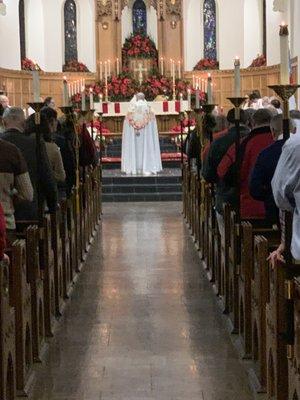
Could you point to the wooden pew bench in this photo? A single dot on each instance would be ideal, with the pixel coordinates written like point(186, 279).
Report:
point(7, 337)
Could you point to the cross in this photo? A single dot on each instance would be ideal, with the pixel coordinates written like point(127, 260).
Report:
point(140, 70)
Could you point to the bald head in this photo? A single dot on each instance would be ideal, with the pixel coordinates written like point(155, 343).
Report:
point(14, 118)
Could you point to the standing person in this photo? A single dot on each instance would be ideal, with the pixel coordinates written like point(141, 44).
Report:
point(53, 150)
point(3, 256)
point(49, 102)
point(41, 174)
point(4, 101)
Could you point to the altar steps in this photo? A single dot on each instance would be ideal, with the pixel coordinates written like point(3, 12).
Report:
point(139, 188)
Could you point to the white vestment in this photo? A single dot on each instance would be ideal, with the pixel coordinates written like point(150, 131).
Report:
point(140, 141)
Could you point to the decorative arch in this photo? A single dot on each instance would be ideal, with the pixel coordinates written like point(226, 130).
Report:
point(139, 17)
point(22, 29)
point(210, 29)
point(70, 30)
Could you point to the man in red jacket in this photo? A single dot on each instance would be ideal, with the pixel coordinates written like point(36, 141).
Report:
point(259, 138)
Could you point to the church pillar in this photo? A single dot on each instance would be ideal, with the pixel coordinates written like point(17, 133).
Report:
point(108, 32)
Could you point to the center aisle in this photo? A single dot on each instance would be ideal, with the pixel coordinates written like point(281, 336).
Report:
point(142, 323)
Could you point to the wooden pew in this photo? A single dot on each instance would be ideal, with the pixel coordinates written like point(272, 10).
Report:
point(210, 231)
point(21, 300)
point(72, 234)
point(279, 332)
point(32, 236)
point(294, 351)
point(7, 338)
point(224, 260)
point(66, 250)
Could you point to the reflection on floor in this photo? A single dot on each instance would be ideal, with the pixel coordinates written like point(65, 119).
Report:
point(142, 323)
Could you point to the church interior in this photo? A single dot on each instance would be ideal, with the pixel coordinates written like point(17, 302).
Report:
point(149, 199)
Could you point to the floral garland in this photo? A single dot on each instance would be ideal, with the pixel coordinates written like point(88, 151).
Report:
point(75, 66)
point(29, 65)
point(139, 46)
point(205, 64)
point(259, 61)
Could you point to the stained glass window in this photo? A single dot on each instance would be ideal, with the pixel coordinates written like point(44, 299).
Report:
point(70, 18)
point(210, 29)
point(22, 29)
point(139, 17)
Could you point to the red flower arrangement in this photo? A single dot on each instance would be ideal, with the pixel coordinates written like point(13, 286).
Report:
point(139, 46)
point(259, 61)
point(29, 65)
point(75, 66)
point(205, 64)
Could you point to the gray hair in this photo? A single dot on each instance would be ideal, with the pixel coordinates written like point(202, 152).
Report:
point(14, 115)
point(262, 117)
point(277, 125)
point(140, 96)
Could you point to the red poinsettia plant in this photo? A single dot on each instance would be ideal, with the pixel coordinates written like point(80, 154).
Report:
point(205, 64)
point(75, 66)
point(139, 46)
point(259, 61)
point(29, 65)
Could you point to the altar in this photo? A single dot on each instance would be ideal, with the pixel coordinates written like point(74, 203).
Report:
point(167, 113)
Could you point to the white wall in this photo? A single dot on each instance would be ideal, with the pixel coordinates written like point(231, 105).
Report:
point(193, 32)
point(9, 37)
point(35, 32)
point(253, 30)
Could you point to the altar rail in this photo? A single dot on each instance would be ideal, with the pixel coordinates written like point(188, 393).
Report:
point(18, 85)
point(251, 79)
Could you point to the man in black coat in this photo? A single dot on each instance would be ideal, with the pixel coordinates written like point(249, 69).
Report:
point(40, 172)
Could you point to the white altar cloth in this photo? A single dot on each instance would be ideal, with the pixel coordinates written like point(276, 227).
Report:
point(156, 108)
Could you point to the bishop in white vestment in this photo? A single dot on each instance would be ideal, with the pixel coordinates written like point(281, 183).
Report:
point(140, 141)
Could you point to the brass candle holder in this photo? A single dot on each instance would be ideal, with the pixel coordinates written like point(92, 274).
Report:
point(285, 92)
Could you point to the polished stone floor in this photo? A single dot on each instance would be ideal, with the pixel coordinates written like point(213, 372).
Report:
point(142, 323)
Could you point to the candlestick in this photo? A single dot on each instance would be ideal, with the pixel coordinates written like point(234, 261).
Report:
point(237, 77)
point(209, 90)
point(83, 99)
point(162, 65)
point(101, 70)
point(179, 69)
point(284, 55)
point(91, 99)
point(189, 98)
point(118, 67)
point(65, 92)
point(36, 86)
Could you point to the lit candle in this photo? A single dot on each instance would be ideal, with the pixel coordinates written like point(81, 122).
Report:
point(91, 99)
point(179, 69)
point(101, 70)
point(162, 65)
point(105, 77)
point(118, 66)
point(189, 97)
point(83, 99)
point(237, 77)
point(209, 90)
point(284, 55)
point(65, 92)
point(36, 86)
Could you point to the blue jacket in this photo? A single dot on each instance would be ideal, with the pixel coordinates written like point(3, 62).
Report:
point(261, 178)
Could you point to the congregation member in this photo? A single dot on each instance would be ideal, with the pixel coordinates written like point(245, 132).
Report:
point(52, 149)
point(286, 190)
point(39, 170)
point(3, 257)
point(259, 138)
point(264, 169)
point(49, 102)
point(4, 101)
point(15, 184)
point(225, 193)
point(277, 105)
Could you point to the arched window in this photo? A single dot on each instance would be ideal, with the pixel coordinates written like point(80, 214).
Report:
point(22, 29)
point(70, 18)
point(210, 29)
point(139, 17)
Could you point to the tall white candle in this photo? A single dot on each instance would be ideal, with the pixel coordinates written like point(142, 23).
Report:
point(118, 66)
point(91, 99)
point(161, 65)
point(284, 54)
point(189, 98)
point(83, 99)
point(237, 77)
point(101, 70)
point(209, 90)
point(36, 86)
point(179, 69)
point(65, 92)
